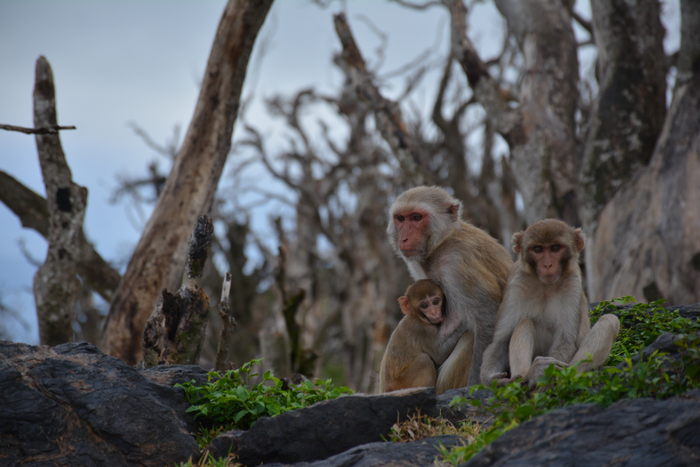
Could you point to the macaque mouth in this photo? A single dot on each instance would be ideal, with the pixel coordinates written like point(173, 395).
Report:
point(437, 322)
point(410, 253)
point(549, 279)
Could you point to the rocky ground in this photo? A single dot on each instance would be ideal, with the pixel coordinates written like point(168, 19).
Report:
point(71, 405)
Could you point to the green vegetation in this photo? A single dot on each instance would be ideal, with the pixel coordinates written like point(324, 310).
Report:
point(229, 402)
point(640, 325)
point(658, 376)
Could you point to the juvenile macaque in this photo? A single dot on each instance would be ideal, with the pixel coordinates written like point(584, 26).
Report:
point(426, 230)
point(543, 319)
point(409, 360)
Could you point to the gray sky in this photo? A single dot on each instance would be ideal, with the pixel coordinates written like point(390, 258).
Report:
point(116, 62)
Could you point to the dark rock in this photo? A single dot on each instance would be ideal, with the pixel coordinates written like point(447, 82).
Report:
point(71, 405)
point(324, 429)
point(418, 453)
point(464, 412)
point(633, 432)
point(165, 377)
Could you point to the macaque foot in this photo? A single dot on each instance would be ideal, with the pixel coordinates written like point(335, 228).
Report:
point(504, 381)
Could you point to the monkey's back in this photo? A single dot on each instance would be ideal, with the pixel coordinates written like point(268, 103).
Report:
point(410, 350)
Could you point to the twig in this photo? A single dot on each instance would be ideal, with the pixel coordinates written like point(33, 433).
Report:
point(229, 324)
point(44, 130)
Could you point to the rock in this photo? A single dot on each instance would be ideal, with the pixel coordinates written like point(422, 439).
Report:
point(417, 453)
point(464, 412)
point(633, 432)
point(324, 429)
point(71, 405)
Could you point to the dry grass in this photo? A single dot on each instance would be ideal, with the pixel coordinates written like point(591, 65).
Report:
point(418, 427)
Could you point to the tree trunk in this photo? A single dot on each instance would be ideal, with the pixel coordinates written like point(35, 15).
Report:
point(189, 191)
point(56, 284)
point(32, 211)
point(175, 331)
point(630, 107)
point(647, 243)
point(541, 131)
point(546, 162)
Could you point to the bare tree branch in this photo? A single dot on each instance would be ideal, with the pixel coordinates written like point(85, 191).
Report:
point(44, 130)
point(387, 114)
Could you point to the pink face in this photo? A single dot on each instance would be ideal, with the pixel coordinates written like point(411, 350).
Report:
point(411, 227)
point(549, 261)
point(431, 309)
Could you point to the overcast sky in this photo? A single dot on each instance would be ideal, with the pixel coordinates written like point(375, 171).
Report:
point(116, 62)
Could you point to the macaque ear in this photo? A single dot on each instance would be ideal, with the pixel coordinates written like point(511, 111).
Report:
point(579, 239)
point(517, 241)
point(453, 211)
point(405, 305)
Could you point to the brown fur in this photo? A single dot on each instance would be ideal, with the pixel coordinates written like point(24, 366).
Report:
point(413, 349)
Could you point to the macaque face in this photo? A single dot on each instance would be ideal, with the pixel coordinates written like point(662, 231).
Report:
point(549, 261)
point(411, 231)
point(430, 309)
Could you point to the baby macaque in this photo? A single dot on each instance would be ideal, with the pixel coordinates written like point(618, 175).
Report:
point(412, 356)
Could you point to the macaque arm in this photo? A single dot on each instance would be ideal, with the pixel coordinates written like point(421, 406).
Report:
point(521, 350)
point(454, 372)
point(597, 343)
point(496, 361)
point(567, 325)
point(458, 302)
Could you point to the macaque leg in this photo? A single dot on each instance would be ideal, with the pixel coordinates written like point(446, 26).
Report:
point(597, 343)
point(418, 374)
point(522, 348)
point(454, 372)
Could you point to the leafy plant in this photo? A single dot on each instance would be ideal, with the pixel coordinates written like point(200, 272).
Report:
point(640, 325)
point(229, 402)
point(658, 376)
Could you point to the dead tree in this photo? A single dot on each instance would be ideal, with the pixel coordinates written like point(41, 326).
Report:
point(175, 331)
point(541, 131)
point(157, 261)
point(32, 211)
point(56, 284)
point(647, 242)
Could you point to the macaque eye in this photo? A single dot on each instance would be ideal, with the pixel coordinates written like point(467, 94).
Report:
point(400, 218)
point(556, 247)
point(436, 301)
point(416, 217)
point(424, 305)
point(537, 249)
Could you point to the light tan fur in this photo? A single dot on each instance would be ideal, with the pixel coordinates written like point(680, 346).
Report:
point(543, 323)
point(471, 268)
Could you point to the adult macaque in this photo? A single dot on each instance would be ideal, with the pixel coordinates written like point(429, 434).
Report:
point(426, 230)
point(543, 319)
